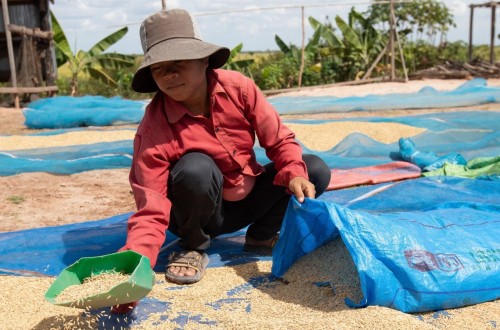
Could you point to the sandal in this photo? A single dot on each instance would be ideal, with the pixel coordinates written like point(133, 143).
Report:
point(189, 259)
point(262, 249)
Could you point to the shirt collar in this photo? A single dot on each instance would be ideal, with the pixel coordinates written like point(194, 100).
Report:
point(175, 110)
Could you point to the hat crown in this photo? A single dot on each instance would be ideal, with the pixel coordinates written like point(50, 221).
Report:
point(166, 25)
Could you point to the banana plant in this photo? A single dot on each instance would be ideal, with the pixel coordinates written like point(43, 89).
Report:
point(240, 65)
point(360, 36)
point(311, 49)
point(362, 42)
point(325, 33)
point(323, 43)
point(290, 51)
point(93, 62)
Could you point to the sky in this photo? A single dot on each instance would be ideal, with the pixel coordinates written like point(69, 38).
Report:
point(85, 22)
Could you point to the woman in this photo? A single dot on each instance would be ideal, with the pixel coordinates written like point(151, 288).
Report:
point(194, 170)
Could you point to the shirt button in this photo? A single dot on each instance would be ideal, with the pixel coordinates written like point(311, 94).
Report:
point(234, 152)
point(217, 130)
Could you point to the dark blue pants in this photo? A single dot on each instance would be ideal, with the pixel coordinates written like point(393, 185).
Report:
point(199, 212)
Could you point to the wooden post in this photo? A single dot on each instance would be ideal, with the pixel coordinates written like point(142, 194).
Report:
point(390, 45)
point(492, 40)
point(163, 4)
point(10, 50)
point(33, 32)
point(302, 52)
point(470, 30)
point(401, 54)
point(49, 58)
point(391, 41)
point(379, 57)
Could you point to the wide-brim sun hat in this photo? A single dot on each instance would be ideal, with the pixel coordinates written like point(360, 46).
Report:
point(173, 35)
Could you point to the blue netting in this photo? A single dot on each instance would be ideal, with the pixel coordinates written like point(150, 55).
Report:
point(66, 111)
point(67, 160)
point(48, 250)
point(473, 92)
point(471, 134)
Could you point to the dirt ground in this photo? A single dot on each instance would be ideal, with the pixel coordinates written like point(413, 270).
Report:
point(31, 200)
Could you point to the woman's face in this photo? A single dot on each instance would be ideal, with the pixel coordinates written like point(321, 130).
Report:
point(181, 80)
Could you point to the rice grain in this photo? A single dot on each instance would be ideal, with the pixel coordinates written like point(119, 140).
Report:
point(91, 286)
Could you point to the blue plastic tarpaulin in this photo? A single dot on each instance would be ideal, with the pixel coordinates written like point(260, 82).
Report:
point(441, 251)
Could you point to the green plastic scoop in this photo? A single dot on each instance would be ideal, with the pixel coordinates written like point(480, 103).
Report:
point(136, 287)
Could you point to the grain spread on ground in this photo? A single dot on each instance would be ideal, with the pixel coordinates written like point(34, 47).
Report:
point(326, 136)
point(22, 142)
point(323, 137)
point(230, 297)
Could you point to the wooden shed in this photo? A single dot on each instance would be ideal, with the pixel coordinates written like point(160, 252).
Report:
point(27, 52)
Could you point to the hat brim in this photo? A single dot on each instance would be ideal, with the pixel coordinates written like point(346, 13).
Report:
point(176, 50)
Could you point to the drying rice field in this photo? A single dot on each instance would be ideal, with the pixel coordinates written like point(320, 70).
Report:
point(310, 296)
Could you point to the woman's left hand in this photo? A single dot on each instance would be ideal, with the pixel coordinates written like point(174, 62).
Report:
point(301, 188)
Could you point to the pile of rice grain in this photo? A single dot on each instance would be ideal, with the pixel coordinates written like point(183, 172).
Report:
point(322, 137)
point(91, 286)
point(244, 297)
point(319, 137)
point(22, 142)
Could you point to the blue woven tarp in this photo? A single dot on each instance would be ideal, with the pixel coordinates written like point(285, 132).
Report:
point(416, 249)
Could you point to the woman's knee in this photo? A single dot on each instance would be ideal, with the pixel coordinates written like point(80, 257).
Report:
point(319, 173)
point(196, 172)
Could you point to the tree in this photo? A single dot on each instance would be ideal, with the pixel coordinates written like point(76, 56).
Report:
point(423, 17)
point(93, 62)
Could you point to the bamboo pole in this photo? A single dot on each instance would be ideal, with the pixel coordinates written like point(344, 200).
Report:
point(379, 57)
point(471, 21)
point(393, 37)
point(10, 50)
point(21, 90)
point(301, 72)
point(391, 40)
point(492, 37)
point(401, 54)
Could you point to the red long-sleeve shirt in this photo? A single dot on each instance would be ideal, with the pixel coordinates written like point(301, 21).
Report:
point(238, 113)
